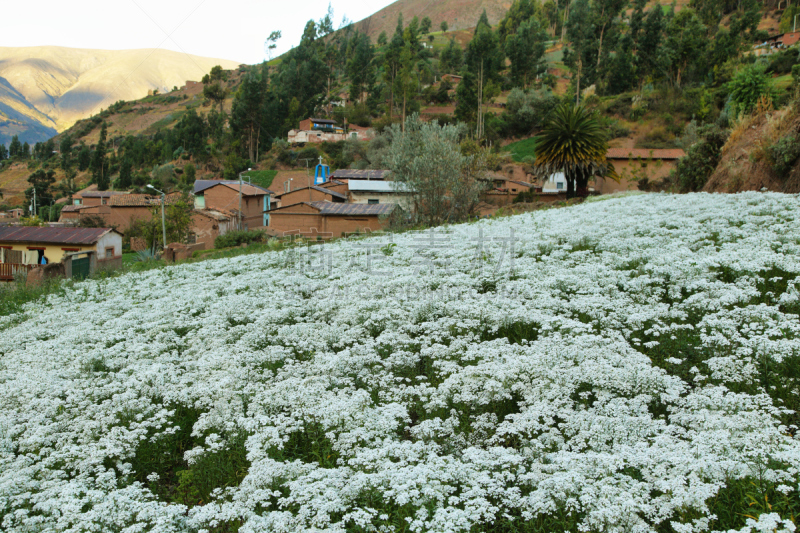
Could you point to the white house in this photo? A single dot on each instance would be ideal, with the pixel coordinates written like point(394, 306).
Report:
point(556, 183)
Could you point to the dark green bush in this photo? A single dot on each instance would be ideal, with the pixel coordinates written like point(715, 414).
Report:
point(237, 238)
point(784, 154)
point(693, 171)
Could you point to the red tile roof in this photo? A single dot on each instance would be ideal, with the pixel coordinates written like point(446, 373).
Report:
point(101, 194)
point(644, 153)
point(52, 235)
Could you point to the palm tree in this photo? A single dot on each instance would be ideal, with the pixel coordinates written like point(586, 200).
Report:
point(573, 142)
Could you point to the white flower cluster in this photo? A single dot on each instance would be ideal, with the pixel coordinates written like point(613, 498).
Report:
point(627, 365)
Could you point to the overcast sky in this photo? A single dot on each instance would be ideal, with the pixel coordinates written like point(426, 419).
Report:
point(226, 29)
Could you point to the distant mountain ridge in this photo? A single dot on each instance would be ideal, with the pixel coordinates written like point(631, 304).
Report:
point(46, 89)
point(459, 14)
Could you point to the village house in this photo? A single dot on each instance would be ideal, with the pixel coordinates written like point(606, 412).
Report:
point(319, 130)
point(328, 192)
point(379, 192)
point(632, 165)
point(223, 196)
point(22, 247)
point(503, 190)
point(91, 198)
point(12, 214)
point(120, 211)
point(328, 219)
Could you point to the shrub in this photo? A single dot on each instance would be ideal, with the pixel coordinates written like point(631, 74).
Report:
point(693, 171)
point(237, 238)
point(748, 86)
point(784, 154)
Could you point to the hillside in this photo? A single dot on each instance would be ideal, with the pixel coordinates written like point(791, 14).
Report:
point(48, 88)
point(459, 14)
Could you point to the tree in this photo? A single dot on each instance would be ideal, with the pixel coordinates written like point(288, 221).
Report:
point(580, 32)
point(392, 61)
point(686, 43)
point(444, 26)
point(26, 150)
point(483, 60)
point(40, 181)
point(99, 162)
point(451, 58)
point(407, 79)
point(216, 93)
point(217, 74)
point(84, 157)
point(604, 13)
point(247, 112)
point(649, 56)
point(177, 219)
point(190, 174)
point(359, 66)
point(192, 133)
point(272, 43)
point(3, 152)
point(526, 49)
point(748, 86)
point(426, 158)
point(425, 25)
point(125, 180)
point(573, 142)
point(383, 39)
point(15, 148)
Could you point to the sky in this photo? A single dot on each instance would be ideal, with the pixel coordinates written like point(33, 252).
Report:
point(224, 29)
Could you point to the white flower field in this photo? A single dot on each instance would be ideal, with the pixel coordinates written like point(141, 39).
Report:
point(625, 365)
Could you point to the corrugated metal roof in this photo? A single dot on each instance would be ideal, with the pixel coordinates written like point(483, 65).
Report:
point(72, 208)
point(322, 120)
point(376, 186)
point(331, 208)
point(249, 190)
point(644, 153)
point(52, 235)
point(214, 214)
point(346, 173)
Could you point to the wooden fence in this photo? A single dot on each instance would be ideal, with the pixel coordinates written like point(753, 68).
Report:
point(8, 270)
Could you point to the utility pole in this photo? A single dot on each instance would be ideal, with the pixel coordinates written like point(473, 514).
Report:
point(240, 198)
point(163, 220)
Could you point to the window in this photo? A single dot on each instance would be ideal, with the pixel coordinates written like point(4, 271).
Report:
point(110, 252)
point(76, 201)
point(372, 201)
point(192, 239)
point(560, 186)
point(104, 201)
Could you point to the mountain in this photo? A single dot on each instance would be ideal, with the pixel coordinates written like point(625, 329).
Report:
point(46, 89)
point(459, 14)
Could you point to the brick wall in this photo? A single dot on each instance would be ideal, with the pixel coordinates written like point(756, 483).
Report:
point(120, 218)
point(324, 225)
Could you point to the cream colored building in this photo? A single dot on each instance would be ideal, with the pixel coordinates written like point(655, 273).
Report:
point(37, 245)
point(379, 192)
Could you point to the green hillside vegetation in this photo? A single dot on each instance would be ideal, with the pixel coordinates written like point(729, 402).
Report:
point(658, 77)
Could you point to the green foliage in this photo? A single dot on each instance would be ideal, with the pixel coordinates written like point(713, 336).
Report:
point(693, 171)
point(427, 159)
point(41, 182)
point(748, 86)
point(452, 58)
point(783, 154)
point(522, 151)
point(100, 165)
point(237, 238)
point(262, 178)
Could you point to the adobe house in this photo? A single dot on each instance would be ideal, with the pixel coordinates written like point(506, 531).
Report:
point(45, 245)
point(332, 192)
point(504, 190)
point(318, 130)
point(379, 192)
point(92, 197)
point(634, 164)
point(121, 210)
point(208, 224)
point(329, 219)
point(224, 196)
